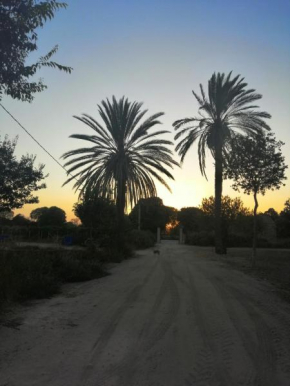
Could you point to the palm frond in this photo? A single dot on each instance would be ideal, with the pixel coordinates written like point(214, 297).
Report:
point(123, 149)
point(228, 107)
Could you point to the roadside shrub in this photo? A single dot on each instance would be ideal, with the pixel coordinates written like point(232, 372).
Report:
point(31, 273)
point(263, 243)
point(78, 267)
point(141, 239)
point(238, 240)
point(282, 243)
point(25, 275)
point(202, 238)
point(118, 252)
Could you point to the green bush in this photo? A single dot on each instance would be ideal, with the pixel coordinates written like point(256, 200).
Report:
point(282, 243)
point(118, 252)
point(77, 267)
point(238, 240)
point(27, 273)
point(202, 238)
point(141, 239)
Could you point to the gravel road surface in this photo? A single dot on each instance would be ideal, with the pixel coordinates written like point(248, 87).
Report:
point(180, 318)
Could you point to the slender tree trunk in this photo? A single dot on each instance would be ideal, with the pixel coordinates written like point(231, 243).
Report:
point(254, 252)
point(121, 196)
point(219, 246)
point(139, 216)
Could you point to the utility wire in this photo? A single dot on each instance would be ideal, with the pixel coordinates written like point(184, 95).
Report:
point(35, 140)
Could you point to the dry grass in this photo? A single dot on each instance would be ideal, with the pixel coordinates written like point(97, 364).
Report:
point(272, 265)
point(34, 273)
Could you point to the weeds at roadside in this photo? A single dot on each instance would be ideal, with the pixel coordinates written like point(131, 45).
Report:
point(271, 265)
point(36, 273)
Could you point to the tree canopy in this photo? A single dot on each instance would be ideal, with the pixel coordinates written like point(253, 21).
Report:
point(20, 22)
point(232, 208)
point(18, 179)
point(153, 214)
point(271, 212)
point(286, 211)
point(227, 107)
point(52, 216)
point(256, 164)
point(190, 218)
point(95, 212)
point(7, 215)
point(20, 220)
point(283, 222)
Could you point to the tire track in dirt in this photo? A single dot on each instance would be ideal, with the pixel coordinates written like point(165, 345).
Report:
point(261, 354)
point(274, 312)
point(146, 340)
point(220, 339)
point(104, 337)
point(150, 340)
point(204, 371)
point(120, 371)
point(271, 348)
point(273, 338)
point(161, 329)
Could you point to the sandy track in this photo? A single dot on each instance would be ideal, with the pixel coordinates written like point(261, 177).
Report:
point(178, 319)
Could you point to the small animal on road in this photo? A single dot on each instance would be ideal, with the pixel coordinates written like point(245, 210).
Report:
point(156, 252)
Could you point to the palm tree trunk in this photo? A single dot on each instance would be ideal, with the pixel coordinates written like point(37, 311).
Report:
point(219, 247)
point(120, 203)
point(254, 253)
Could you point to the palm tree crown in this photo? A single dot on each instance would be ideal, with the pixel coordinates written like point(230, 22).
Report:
point(125, 157)
point(228, 107)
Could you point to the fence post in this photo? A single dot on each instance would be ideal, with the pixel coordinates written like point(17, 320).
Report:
point(158, 236)
point(180, 235)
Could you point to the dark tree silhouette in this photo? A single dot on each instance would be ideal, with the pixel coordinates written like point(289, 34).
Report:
point(231, 210)
point(191, 219)
point(52, 216)
point(271, 212)
point(7, 215)
point(18, 179)
point(98, 213)
point(125, 157)
point(283, 223)
point(256, 165)
point(153, 214)
point(20, 21)
point(286, 210)
point(21, 221)
point(227, 107)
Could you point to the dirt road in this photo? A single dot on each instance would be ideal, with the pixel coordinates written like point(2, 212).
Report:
point(177, 319)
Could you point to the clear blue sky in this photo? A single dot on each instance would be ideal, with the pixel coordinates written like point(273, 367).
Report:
point(155, 52)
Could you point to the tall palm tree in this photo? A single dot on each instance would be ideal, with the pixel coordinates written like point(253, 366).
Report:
point(125, 158)
point(227, 107)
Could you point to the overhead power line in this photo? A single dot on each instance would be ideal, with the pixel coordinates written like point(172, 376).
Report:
point(35, 140)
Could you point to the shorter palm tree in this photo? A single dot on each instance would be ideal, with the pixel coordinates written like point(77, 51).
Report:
point(228, 107)
point(125, 158)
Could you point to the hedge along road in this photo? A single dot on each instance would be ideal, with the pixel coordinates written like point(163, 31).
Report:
point(174, 319)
